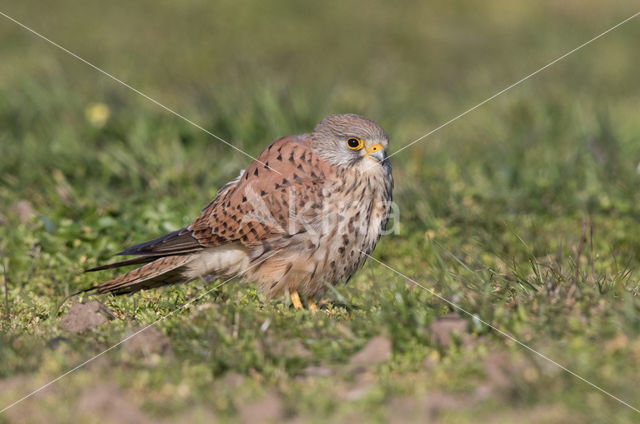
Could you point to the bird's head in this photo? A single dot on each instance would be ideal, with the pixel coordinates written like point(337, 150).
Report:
point(351, 141)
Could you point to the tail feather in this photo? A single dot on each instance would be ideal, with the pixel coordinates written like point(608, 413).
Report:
point(160, 272)
point(134, 261)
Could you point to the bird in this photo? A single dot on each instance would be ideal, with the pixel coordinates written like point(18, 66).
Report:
point(302, 216)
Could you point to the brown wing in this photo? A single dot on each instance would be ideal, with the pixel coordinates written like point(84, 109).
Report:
point(259, 206)
point(253, 207)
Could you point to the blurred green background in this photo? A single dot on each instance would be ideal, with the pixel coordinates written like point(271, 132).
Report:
point(525, 212)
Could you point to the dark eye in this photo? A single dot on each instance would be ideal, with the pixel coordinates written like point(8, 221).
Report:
point(355, 143)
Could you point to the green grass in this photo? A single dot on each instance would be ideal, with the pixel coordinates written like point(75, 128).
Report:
point(526, 212)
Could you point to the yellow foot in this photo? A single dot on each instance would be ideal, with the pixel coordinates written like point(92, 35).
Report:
point(295, 298)
point(312, 305)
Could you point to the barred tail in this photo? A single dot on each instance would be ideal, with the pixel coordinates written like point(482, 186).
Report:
point(163, 271)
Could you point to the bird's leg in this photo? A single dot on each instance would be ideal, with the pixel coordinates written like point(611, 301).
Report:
point(312, 305)
point(295, 298)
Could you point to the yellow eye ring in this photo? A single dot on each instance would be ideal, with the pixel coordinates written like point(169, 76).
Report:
point(355, 143)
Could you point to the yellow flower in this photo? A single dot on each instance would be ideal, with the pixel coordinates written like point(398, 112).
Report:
point(97, 114)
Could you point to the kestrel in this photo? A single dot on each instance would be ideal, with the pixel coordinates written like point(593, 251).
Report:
point(302, 216)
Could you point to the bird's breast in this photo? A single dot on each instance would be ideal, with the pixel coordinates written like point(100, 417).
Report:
point(356, 214)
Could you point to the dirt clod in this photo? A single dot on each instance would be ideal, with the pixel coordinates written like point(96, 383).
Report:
point(110, 404)
point(149, 341)
point(444, 328)
point(376, 351)
point(24, 209)
point(83, 316)
point(267, 409)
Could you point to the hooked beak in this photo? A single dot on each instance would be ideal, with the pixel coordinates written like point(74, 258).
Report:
point(377, 153)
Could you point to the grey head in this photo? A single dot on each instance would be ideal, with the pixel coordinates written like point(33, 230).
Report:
point(350, 140)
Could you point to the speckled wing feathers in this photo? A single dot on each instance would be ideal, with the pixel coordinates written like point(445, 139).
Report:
point(259, 205)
